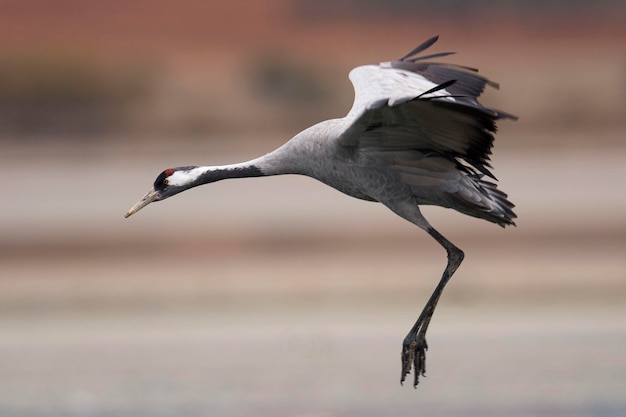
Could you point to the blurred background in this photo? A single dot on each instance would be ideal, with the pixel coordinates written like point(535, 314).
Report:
point(280, 296)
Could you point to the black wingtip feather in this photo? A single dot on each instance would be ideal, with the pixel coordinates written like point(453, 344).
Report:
point(431, 56)
point(468, 81)
point(421, 47)
point(439, 87)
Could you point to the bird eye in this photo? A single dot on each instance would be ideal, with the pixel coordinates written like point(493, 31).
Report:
point(166, 181)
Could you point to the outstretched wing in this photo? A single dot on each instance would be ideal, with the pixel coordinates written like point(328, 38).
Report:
point(416, 104)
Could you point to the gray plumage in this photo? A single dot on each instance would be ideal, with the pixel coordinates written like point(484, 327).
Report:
point(415, 135)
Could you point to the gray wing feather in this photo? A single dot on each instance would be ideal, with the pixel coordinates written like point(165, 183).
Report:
point(453, 123)
point(431, 125)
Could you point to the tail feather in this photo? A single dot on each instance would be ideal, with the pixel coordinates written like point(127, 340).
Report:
point(482, 199)
point(445, 182)
point(501, 208)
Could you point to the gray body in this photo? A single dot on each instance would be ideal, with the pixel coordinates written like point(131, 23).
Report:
point(393, 177)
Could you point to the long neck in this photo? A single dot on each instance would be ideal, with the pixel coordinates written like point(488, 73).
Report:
point(293, 157)
point(281, 161)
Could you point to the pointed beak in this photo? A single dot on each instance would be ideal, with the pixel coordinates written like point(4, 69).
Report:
point(147, 199)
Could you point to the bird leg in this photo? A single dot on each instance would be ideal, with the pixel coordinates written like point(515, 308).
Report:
point(414, 346)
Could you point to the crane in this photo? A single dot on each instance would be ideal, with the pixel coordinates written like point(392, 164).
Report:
point(415, 135)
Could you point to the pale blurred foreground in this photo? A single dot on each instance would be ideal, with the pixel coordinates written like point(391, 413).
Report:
point(280, 297)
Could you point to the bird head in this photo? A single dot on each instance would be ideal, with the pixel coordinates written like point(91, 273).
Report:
point(169, 182)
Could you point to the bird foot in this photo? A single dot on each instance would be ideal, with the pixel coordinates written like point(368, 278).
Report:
point(414, 356)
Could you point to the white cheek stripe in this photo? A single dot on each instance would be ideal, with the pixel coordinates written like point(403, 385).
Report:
point(182, 178)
